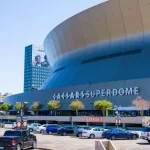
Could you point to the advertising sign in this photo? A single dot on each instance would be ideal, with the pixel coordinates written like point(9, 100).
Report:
point(93, 119)
point(18, 119)
point(24, 124)
point(39, 59)
point(21, 122)
point(24, 118)
point(18, 124)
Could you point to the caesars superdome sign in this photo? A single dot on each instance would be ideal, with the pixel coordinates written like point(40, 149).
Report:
point(97, 93)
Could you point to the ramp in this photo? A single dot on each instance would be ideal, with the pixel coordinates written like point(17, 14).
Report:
point(104, 145)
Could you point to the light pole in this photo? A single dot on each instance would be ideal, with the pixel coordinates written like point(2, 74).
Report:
point(117, 117)
point(92, 107)
point(21, 121)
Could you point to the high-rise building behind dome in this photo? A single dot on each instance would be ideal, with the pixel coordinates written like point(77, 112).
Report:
point(36, 68)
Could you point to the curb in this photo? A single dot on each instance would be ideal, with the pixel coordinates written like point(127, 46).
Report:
point(43, 148)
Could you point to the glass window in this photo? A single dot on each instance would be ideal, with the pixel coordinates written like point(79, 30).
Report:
point(95, 129)
point(12, 133)
point(25, 134)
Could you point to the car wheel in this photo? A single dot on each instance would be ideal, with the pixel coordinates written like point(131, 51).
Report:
point(42, 131)
point(80, 134)
point(133, 137)
point(49, 132)
point(113, 137)
point(64, 133)
point(92, 136)
point(18, 147)
point(30, 130)
point(149, 141)
point(34, 144)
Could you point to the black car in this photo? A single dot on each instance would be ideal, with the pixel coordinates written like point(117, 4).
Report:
point(17, 140)
point(66, 130)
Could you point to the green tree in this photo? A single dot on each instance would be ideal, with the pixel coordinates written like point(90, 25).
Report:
point(1, 106)
point(54, 105)
point(76, 106)
point(6, 107)
point(36, 106)
point(103, 105)
point(20, 106)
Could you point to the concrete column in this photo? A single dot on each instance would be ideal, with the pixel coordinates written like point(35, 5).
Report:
point(104, 125)
point(72, 123)
point(123, 125)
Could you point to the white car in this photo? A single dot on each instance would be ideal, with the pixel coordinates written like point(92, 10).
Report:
point(145, 134)
point(41, 129)
point(93, 133)
point(14, 125)
point(32, 127)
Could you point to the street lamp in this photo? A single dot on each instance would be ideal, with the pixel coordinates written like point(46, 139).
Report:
point(92, 107)
point(117, 118)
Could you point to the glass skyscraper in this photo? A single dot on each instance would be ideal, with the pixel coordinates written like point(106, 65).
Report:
point(36, 68)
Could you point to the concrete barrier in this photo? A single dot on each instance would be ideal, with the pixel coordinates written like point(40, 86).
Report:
point(104, 145)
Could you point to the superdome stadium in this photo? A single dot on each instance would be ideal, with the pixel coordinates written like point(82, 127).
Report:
point(100, 53)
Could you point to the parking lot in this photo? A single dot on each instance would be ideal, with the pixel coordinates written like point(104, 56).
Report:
point(55, 142)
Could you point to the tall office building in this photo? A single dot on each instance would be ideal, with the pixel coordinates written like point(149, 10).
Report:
point(36, 68)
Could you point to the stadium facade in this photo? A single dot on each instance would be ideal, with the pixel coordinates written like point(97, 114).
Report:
point(100, 53)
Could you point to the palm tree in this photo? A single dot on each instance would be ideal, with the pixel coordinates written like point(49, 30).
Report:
point(103, 105)
point(54, 105)
point(36, 106)
point(76, 106)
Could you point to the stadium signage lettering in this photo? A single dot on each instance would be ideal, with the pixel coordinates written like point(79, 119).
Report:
point(97, 93)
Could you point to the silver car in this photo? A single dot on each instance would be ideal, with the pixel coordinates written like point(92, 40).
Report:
point(41, 129)
point(33, 127)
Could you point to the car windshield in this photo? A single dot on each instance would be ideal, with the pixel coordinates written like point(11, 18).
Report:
point(12, 133)
point(87, 128)
point(84, 127)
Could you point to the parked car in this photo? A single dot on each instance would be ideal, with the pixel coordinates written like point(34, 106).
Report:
point(42, 129)
point(93, 132)
point(17, 140)
point(14, 125)
point(32, 127)
point(52, 128)
point(66, 130)
point(79, 130)
point(145, 134)
point(118, 133)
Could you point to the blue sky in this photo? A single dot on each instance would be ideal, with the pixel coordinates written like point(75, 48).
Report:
point(24, 22)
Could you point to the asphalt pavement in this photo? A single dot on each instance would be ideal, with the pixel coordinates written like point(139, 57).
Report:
point(55, 142)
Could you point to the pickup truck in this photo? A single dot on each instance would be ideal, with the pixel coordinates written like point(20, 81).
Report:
point(17, 140)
